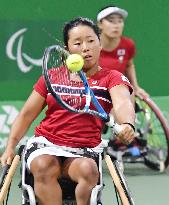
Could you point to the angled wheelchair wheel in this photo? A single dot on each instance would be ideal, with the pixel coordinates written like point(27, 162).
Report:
point(152, 128)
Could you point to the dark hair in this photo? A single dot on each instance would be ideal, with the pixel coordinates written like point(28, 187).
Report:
point(105, 8)
point(75, 22)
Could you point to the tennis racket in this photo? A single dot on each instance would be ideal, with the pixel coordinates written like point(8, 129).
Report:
point(72, 91)
point(6, 177)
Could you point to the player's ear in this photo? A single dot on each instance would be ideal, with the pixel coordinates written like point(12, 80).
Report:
point(99, 24)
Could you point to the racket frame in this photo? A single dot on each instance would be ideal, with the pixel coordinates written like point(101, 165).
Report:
point(90, 97)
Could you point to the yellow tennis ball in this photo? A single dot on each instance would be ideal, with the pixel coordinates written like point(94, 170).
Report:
point(74, 62)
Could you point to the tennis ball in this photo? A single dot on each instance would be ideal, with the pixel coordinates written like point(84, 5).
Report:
point(74, 62)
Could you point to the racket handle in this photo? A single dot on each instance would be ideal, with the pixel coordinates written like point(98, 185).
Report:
point(112, 124)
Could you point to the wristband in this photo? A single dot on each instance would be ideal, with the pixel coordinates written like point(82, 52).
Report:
point(131, 125)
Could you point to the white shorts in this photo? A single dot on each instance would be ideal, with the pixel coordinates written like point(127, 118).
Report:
point(52, 149)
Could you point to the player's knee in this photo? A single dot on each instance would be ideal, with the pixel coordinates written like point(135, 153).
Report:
point(45, 172)
point(89, 171)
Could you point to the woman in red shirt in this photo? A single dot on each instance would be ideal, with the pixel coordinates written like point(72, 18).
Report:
point(61, 129)
point(117, 51)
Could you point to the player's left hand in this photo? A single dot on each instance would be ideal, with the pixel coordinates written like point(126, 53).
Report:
point(127, 134)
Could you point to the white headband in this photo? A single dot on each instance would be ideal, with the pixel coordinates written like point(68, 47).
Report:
point(111, 10)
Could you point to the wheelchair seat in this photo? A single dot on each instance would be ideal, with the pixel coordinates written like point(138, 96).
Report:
point(67, 186)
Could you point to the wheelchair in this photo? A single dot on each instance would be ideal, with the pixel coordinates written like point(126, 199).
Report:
point(151, 145)
point(122, 190)
point(67, 186)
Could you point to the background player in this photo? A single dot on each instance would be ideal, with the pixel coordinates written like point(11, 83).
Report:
point(117, 51)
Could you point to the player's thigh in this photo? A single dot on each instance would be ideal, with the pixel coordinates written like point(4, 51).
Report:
point(77, 168)
point(46, 165)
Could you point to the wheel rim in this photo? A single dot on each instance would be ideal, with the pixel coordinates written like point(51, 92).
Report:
point(150, 127)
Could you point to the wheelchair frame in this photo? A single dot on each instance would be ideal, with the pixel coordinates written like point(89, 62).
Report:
point(28, 197)
point(155, 120)
point(149, 119)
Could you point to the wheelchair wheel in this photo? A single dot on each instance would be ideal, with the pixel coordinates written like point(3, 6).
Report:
point(151, 126)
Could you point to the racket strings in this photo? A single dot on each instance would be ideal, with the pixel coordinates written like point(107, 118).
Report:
point(64, 83)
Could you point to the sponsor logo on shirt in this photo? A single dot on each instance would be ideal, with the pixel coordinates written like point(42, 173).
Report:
point(94, 82)
point(67, 90)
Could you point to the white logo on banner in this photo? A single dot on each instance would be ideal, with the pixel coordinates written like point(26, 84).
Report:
point(20, 56)
point(7, 119)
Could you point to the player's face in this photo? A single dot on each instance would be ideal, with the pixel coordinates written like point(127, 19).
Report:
point(83, 40)
point(112, 26)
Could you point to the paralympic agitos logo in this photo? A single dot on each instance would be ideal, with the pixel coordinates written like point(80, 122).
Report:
point(24, 61)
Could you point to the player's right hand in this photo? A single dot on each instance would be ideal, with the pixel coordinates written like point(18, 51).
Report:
point(7, 157)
